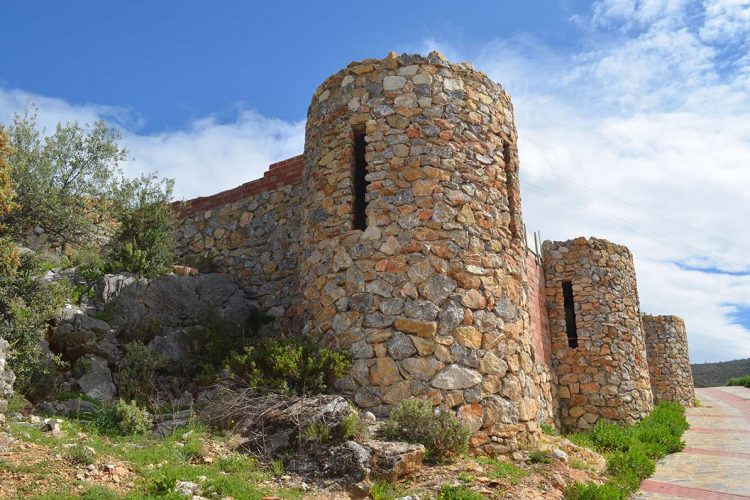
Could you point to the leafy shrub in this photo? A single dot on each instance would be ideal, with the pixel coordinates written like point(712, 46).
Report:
point(144, 241)
point(593, 491)
point(211, 344)
point(122, 418)
point(288, 365)
point(137, 373)
point(26, 305)
point(608, 436)
point(740, 381)
point(413, 421)
point(458, 493)
point(80, 454)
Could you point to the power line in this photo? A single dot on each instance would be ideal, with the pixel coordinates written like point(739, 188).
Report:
point(628, 225)
point(644, 209)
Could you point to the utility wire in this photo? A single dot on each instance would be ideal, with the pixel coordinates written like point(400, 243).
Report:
point(628, 225)
point(647, 210)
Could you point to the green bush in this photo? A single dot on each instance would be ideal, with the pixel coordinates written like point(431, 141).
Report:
point(26, 305)
point(540, 457)
point(608, 436)
point(80, 454)
point(122, 418)
point(414, 421)
point(137, 373)
point(740, 381)
point(458, 493)
point(288, 365)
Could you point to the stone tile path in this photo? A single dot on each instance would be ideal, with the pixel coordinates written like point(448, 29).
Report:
point(715, 464)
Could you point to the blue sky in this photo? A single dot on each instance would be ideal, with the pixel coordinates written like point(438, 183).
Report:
point(633, 115)
point(174, 61)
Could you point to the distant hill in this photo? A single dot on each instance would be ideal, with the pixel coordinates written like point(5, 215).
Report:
point(716, 374)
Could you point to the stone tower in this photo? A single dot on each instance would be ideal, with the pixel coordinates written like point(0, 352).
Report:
point(413, 247)
point(599, 354)
point(668, 359)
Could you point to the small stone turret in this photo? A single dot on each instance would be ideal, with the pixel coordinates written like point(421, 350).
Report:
point(668, 359)
point(599, 354)
point(413, 243)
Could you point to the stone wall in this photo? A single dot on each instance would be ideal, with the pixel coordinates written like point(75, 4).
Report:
point(252, 233)
point(606, 375)
point(6, 379)
point(668, 359)
point(430, 298)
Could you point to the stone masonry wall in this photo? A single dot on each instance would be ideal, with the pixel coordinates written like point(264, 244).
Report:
point(668, 359)
point(431, 298)
point(6, 380)
point(606, 375)
point(252, 233)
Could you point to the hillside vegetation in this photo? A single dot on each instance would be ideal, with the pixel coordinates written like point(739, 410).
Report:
point(718, 374)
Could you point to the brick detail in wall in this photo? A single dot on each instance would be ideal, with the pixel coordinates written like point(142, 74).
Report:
point(279, 174)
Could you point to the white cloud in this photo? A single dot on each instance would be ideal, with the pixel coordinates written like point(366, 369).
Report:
point(204, 158)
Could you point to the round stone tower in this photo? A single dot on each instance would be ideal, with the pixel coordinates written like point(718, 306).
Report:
point(668, 359)
point(599, 354)
point(413, 242)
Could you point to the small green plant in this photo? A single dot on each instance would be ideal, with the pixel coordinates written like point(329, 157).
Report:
point(80, 454)
point(193, 447)
point(277, 468)
point(576, 463)
point(317, 432)
point(98, 493)
point(458, 493)
point(236, 463)
point(548, 430)
point(414, 421)
point(383, 490)
point(353, 427)
point(163, 484)
point(608, 436)
point(465, 477)
point(540, 457)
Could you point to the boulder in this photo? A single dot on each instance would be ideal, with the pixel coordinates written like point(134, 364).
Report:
point(170, 302)
point(394, 460)
point(73, 408)
point(96, 378)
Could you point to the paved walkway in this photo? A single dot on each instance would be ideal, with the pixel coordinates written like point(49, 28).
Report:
point(715, 464)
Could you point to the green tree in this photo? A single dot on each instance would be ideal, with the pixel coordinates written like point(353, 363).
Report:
point(63, 180)
point(144, 240)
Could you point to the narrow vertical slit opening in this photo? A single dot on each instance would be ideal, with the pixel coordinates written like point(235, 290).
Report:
point(512, 188)
point(359, 186)
point(570, 314)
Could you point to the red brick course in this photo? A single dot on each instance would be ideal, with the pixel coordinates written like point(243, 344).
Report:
point(651, 486)
point(279, 174)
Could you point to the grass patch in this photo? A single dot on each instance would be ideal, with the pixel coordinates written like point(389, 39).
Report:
point(631, 451)
point(458, 493)
point(548, 430)
point(501, 470)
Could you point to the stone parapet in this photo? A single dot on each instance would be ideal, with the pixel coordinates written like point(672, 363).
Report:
point(668, 359)
point(598, 350)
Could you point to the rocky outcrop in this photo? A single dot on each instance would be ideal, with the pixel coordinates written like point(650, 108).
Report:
point(157, 312)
